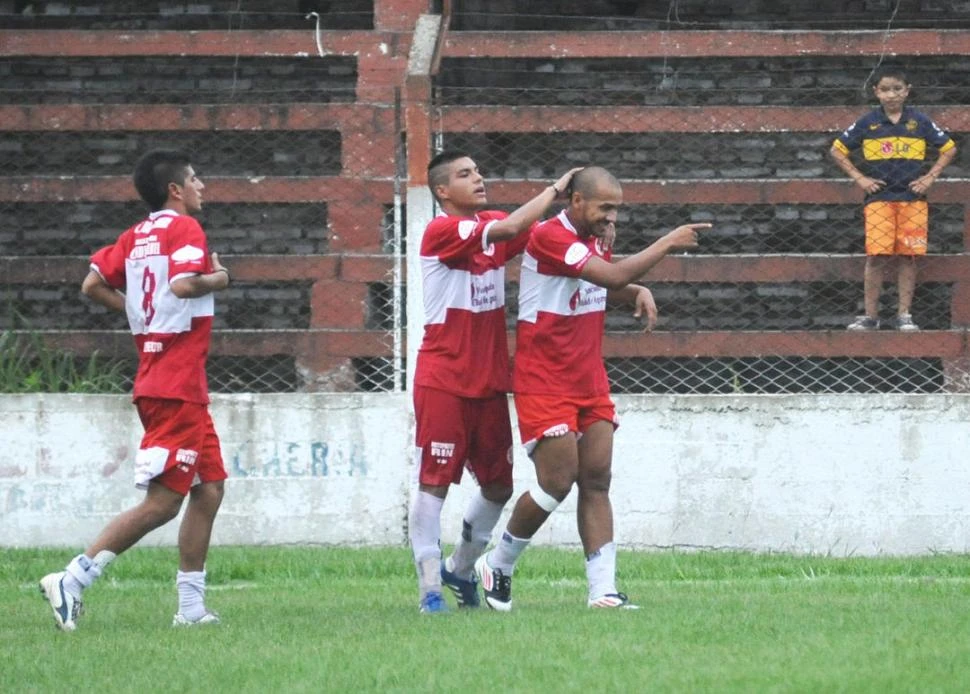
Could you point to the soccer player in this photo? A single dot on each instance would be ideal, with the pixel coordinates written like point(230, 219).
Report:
point(462, 375)
point(562, 399)
point(161, 274)
point(893, 140)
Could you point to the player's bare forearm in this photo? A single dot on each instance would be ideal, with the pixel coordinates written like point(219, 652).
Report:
point(200, 285)
point(95, 288)
point(618, 275)
point(625, 295)
point(531, 212)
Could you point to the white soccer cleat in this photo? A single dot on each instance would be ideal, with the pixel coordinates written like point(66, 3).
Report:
point(66, 607)
point(618, 600)
point(179, 620)
point(496, 586)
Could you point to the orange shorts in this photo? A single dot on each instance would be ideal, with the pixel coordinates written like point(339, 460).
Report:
point(542, 416)
point(896, 227)
point(180, 447)
point(454, 433)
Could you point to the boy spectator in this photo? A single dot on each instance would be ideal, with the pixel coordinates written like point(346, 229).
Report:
point(892, 140)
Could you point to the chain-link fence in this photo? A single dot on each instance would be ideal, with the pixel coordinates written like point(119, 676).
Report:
point(303, 161)
point(302, 172)
point(765, 303)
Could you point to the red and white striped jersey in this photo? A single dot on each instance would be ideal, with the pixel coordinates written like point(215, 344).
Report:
point(465, 351)
point(559, 339)
point(172, 334)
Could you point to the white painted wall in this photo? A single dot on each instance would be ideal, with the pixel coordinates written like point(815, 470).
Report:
point(840, 474)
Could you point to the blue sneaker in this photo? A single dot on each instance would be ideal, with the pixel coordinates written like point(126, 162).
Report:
point(465, 590)
point(433, 602)
point(66, 607)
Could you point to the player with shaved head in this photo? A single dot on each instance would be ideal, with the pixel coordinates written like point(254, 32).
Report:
point(562, 395)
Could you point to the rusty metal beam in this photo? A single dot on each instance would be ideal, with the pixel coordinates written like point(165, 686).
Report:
point(136, 117)
point(243, 43)
point(218, 189)
point(666, 119)
point(703, 44)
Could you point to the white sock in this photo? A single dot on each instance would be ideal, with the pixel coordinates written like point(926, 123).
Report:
point(191, 589)
point(477, 526)
point(425, 534)
point(601, 571)
point(82, 571)
point(507, 552)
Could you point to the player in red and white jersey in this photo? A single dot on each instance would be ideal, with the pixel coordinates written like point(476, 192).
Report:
point(562, 399)
point(462, 374)
point(160, 272)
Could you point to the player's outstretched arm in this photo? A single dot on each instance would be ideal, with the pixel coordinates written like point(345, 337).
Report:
point(531, 212)
point(200, 285)
point(95, 288)
point(618, 275)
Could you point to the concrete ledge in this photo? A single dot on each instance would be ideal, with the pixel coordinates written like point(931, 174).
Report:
point(840, 475)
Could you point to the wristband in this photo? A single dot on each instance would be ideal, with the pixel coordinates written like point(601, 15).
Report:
point(228, 276)
point(555, 190)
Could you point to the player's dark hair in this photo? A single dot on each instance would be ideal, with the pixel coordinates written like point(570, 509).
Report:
point(438, 167)
point(155, 170)
point(894, 71)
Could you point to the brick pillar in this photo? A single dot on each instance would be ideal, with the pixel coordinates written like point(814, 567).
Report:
point(399, 15)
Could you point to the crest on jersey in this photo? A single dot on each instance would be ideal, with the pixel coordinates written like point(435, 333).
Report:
point(574, 301)
point(575, 253)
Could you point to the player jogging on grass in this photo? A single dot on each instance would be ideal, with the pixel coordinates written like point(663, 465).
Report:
point(562, 395)
point(168, 278)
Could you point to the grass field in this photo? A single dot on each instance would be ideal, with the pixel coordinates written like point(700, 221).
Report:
point(301, 619)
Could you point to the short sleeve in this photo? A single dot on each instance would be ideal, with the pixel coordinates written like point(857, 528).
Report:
point(937, 136)
point(558, 251)
point(850, 138)
point(109, 262)
point(188, 252)
point(453, 238)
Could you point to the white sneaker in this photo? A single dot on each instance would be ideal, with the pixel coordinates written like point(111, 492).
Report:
point(619, 600)
point(179, 620)
point(66, 607)
point(496, 586)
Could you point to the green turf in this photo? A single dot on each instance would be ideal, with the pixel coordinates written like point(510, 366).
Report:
point(324, 619)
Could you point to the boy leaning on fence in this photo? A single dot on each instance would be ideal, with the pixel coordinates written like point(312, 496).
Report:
point(161, 274)
point(892, 141)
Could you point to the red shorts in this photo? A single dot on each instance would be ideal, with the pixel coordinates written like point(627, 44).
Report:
point(541, 416)
point(180, 447)
point(896, 228)
point(455, 432)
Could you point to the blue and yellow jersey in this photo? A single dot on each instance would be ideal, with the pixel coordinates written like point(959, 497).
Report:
point(893, 152)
